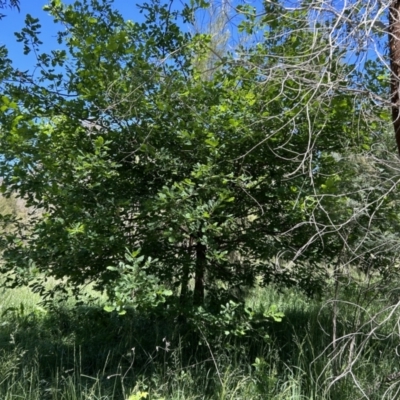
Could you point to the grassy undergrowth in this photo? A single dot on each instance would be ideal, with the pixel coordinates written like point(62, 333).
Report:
point(83, 352)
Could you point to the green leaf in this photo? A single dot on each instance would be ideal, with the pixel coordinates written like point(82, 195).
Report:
point(99, 142)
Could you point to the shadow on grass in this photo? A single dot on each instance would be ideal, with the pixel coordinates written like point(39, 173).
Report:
point(85, 342)
point(81, 345)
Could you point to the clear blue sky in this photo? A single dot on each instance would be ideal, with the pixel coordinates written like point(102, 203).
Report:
point(14, 22)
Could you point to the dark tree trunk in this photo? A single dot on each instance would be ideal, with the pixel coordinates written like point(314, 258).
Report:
point(186, 275)
point(394, 54)
point(198, 295)
point(184, 284)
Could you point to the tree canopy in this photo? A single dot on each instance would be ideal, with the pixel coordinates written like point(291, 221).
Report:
point(167, 185)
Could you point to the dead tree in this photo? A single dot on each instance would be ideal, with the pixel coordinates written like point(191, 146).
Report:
point(394, 54)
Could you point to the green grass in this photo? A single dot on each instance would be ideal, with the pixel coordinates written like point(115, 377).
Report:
point(83, 352)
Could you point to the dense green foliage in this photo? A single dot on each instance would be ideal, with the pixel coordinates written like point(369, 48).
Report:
point(125, 147)
point(175, 174)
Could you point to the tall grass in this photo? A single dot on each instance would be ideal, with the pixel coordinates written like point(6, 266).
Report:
point(82, 352)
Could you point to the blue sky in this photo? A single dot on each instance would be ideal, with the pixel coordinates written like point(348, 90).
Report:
point(14, 22)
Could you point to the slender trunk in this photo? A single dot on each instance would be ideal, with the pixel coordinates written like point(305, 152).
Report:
point(185, 276)
point(394, 54)
point(184, 284)
point(335, 313)
point(198, 295)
